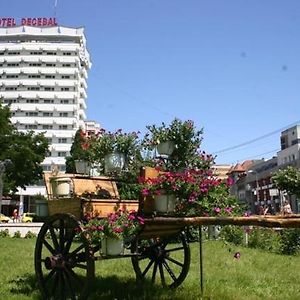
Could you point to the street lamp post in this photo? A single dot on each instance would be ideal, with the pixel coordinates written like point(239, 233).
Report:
point(3, 165)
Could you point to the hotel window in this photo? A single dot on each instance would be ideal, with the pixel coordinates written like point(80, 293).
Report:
point(49, 88)
point(50, 65)
point(62, 153)
point(65, 76)
point(65, 89)
point(13, 53)
point(63, 127)
point(35, 64)
point(47, 126)
point(12, 76)
point(34, 76)
point(32, 114)
point(10, 88)
point(64, 101)
point(50, 53)
point(67, 53)
point(31, 126)
point(48, 101)
point(66, 65)
point(33, 88)
point(62, 140)
point(12, 65)
point(47, 114)
point(63, 114)
point(49, 76)
point(32, 101)
point(36, 53)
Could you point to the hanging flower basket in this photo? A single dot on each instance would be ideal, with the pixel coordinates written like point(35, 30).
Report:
point(165, 203)
point(114, 162)
point(165, 148)
point(82, 167)
point(112, 246)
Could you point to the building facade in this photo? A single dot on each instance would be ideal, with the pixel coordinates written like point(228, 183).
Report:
point(43, 74)
point(43, 79)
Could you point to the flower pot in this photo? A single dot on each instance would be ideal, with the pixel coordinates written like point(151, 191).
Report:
point(112, 246)
point(165, 148)
point(61, 187)
point(114, 162)
point(165, 203)
point(82, 167)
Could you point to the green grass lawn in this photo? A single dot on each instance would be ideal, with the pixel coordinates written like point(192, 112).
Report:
point(256, 275)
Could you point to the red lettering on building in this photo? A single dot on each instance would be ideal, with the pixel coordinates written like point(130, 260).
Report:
point(42, 22)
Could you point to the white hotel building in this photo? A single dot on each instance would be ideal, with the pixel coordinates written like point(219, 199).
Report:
point(43, 73)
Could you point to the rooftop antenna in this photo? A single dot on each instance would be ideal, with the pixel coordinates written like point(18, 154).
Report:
point(55, 7)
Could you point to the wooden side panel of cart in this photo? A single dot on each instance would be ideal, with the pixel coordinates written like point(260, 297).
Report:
point(78, 205)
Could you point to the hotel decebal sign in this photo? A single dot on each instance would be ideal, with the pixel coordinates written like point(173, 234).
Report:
point(12, 22)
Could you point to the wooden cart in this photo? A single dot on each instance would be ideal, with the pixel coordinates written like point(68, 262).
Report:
point(65, 265)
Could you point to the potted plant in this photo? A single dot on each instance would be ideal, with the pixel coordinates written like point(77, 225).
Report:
point(112, 231)
point(186, 139)
point(81, 152)
point(190, 192)
point(115, 150)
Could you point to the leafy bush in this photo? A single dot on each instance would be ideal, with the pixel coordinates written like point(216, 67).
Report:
point(264, 238)
point(17, 234)
point(4, 233)
point(232, 234)
point(30, 235)
point(290, 241)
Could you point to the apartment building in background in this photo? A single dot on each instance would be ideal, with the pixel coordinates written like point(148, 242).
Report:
point(43, 79)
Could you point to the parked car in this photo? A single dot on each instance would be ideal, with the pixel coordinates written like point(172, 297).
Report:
point(28, 217)
point(4, 218)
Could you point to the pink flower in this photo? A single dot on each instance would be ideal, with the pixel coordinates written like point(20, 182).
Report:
point(217, 210)
point(237, 255)
point(145, 192)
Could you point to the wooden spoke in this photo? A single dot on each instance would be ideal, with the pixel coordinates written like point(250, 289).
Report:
point(162, 275)
point(147, 268)
point(178, 263)
point(49, 276)
point(69, 285)
point(73, 276)
point(54, 238)
point(154, 272)
point(69, 243)
point(81, 266)
point(174, 249)
point(49, 247)
point(61, 235)
point(169, 270)
point(77, 249)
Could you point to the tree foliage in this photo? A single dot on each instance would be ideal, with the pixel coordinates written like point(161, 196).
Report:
point(288, 180)
point(25, 150)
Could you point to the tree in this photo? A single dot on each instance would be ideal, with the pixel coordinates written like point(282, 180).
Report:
point(288, 180)
point(25, 150)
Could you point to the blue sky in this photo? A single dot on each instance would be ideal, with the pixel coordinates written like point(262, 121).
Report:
point(231, 66)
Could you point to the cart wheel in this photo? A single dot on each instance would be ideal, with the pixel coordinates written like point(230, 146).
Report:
point(64, 264)
point(164, 258)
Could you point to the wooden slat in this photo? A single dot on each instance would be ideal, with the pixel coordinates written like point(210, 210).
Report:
point(263, 221)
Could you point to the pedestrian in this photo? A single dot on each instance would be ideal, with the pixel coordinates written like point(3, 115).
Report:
point(286, 208)
point(15, 215)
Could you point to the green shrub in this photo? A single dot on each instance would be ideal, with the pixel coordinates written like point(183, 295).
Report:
point(232, 234)
point(30, 235)
point(264, 238)
point(290, 241)
point(4, 233)
point(17, 234)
